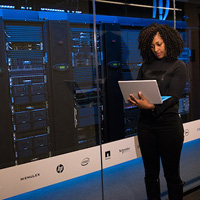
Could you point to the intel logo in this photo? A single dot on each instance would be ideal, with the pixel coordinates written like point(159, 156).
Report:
point(85, 161)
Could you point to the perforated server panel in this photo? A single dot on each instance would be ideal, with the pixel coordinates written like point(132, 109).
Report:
point(28, 99)
point(85, 86)
point(131, 62)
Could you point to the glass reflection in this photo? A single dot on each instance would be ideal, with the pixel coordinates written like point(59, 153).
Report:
point(120, 22)
point(50, 67)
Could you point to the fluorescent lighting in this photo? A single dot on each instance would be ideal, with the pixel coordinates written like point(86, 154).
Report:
point(52, 10)
point(135, 5)
point(7, 6)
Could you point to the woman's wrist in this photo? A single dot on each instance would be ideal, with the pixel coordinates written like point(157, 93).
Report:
point(152, 107)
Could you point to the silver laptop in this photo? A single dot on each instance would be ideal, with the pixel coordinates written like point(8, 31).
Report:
point(149, 89)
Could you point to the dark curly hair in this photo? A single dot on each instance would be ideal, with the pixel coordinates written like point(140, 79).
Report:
point(173, 42)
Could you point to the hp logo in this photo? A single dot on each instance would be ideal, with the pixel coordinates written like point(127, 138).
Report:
point(60, 168)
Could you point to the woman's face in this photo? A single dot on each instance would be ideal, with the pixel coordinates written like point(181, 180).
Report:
point(158, 47)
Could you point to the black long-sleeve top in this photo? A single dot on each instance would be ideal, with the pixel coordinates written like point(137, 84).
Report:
point(171, 79)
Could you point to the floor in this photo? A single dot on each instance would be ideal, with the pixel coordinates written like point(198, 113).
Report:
point(193, 196)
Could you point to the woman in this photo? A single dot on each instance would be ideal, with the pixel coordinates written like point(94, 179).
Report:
point(160, 129)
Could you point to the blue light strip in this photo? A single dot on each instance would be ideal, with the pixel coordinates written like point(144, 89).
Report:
point(7, 6)
point(52, 10)
point(160, 9)
point(154, 8)
point(167, 9)
point(26, 8)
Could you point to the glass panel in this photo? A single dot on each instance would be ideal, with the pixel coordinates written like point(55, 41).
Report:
point(119, 23)
point(50, 100)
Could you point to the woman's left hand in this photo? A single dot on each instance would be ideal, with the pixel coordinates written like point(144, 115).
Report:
point(141, 103)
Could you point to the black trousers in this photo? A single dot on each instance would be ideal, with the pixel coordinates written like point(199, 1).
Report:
point(161, 138)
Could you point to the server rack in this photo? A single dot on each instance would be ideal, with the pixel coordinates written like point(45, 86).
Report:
point(61, 95)
point(51, 100)
point(184, 101)
point(85, 86)
point(131, 62)
point(113, 125)
point(129, 66)
point(28, 99)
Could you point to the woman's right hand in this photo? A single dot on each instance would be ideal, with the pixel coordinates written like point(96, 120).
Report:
point(141, 103)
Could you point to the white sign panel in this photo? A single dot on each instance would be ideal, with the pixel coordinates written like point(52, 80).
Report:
point(120, 151)
point(34, 175)
point(191, 130)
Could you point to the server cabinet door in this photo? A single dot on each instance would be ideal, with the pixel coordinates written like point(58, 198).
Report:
point(112, 72)
point(27, 80)
point(63, 139)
